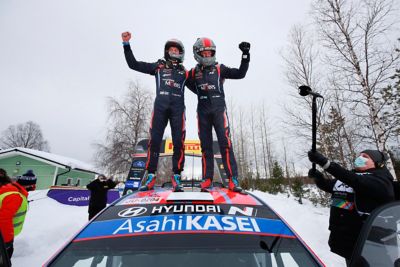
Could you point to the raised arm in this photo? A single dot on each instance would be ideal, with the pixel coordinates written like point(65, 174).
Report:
point(144, 67)
point(234, 73)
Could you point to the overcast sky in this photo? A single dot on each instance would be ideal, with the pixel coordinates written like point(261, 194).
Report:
point(60, 60)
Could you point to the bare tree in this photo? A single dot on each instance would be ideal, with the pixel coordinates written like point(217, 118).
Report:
point(27, 135)
point(266, 143)
point(301, 62)
point(355, 35)
point(127, 125)
point(253, 129)
point(335, 129)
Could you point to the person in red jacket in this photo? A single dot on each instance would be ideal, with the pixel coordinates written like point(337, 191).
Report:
point(9, 205)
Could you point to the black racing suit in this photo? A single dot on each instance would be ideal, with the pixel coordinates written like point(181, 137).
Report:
point(168, 105)
point(211, 111)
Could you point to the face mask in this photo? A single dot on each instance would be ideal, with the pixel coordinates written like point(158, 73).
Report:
point(360, 162)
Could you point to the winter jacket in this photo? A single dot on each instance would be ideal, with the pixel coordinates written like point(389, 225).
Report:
point(8, 209)
point(354, 196)
point(373, 188)
point(98, 192)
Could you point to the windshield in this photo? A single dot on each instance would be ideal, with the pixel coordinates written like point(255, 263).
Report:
point(187, 250)
point(382, 246)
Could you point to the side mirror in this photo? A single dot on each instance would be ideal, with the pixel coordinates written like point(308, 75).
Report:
point(379, 240)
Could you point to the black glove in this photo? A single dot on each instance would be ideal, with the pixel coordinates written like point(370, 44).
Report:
point(245, 47)
point(315, 174)
point(318, 158)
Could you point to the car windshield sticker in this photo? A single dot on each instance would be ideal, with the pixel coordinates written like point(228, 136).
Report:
point(175, 224)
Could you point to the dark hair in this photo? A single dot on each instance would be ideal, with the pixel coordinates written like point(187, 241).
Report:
point(4, 179)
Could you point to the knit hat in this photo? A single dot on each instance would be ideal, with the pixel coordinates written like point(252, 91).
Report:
point(378, 157)
point(28, 180)
point(29, 173)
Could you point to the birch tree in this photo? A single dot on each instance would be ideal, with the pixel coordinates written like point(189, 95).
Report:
point(128, 123)
point(359, 53)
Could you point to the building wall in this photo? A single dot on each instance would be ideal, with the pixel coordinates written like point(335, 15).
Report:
point(84, 177)
point(18, 165)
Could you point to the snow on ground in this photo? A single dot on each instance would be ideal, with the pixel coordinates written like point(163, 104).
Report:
point(310, 222)
point(49, 225)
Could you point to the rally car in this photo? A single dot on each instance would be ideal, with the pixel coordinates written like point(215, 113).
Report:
point(191, 228)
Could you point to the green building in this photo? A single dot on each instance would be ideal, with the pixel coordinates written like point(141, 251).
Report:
point(50, 169)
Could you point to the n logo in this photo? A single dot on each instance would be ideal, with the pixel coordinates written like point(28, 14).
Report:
point(247, 211)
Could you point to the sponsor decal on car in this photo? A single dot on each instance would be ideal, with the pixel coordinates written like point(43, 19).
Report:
point(139, 164)
point(185, 223)
point(143, 200)
point(187, 209)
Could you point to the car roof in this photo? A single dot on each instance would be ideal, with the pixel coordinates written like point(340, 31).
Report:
point(154, 204)
point(162, 211)
point(215, 195)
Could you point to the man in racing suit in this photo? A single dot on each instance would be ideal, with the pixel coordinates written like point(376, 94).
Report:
point(169, 105)
point(208, 79)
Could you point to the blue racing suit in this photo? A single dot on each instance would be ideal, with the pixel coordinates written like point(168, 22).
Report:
point(168, 105)
point(211, 111)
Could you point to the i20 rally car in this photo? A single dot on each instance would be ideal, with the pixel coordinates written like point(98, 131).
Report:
point(191, 228)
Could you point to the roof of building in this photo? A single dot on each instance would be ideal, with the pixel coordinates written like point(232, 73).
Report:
point(49, 158)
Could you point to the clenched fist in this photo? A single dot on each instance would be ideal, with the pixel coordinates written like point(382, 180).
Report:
point(245, 47)
point(126, 36)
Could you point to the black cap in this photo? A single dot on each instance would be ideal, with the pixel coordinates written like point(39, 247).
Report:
point(377, 156)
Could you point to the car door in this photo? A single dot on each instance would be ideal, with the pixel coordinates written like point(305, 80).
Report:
point(379, 240)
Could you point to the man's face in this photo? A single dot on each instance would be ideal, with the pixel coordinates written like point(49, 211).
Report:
point(206, 53)
point(173, 50)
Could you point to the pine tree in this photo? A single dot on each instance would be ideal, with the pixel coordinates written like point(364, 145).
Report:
point(277, 179)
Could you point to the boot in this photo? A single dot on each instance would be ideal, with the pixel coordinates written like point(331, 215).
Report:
point(206, 184)
point(234, 185)
point(150, 182)
point(176, 183)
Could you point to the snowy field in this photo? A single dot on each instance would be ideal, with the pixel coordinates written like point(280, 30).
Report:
point(49, 225)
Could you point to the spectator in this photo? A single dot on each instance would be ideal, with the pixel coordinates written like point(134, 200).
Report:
point(98, 194)
point(13, 207)
point(355, 194)
point(28, 180)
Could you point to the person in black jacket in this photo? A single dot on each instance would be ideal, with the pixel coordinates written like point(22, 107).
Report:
point(169, 105)
point(98, 194)
point(355, 194)
point(208, 79)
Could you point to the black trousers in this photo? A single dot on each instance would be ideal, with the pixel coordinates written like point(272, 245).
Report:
point(10, 249)
point(209, 117)
point(93, 210)
point(175, 114)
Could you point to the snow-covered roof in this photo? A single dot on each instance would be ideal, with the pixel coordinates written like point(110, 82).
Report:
point(49, 158)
